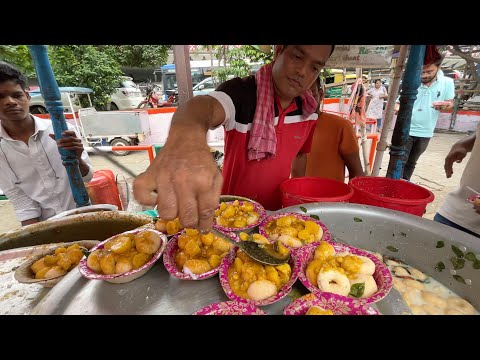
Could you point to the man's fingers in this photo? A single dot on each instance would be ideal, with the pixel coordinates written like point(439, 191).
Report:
point(143, 187)
point(448, 166)
point(187, 203)
point(207, 203)
point(70, 133)
point(167, 206)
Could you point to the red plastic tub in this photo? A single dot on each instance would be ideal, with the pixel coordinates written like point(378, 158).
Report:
point(313, 189)
point(102, 189)
point(392, 194)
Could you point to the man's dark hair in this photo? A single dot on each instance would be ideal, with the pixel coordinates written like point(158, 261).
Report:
point(432, 56)
point(331, 51)
point(11, 73)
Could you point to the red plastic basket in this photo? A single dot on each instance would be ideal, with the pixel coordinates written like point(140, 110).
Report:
point(392, 194)
point(313, 189)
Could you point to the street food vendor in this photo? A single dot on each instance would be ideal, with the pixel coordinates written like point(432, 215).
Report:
point(269, 120)
point(32, 174)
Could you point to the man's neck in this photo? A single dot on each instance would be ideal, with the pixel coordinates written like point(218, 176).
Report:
point(430, 82)
point(284, 102)
point(20, 130)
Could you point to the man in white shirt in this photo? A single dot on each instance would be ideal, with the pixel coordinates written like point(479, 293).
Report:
point(32, 175)
point(455, 210)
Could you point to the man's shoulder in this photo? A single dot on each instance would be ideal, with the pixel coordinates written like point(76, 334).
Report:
point(334, 119)
point(238, 83)
point(447, 80)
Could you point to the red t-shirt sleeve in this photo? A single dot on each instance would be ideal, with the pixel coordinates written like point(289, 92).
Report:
point(307, 145)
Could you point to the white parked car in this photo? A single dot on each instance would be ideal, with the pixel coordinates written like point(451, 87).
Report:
point(127, 96)
point(204, 87)
point(207, 85)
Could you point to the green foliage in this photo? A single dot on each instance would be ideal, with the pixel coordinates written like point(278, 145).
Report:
point(19, 56)
point(238, 59)
point(86, 66)
point(138, 55)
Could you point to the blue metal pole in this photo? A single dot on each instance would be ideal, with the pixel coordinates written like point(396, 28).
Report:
point(51, 94)
point(408, 95)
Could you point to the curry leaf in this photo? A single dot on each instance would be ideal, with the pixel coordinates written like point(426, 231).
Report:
point(457, 263)
point(403, 234)
point(476, 264)
point(392, 248)
point(440, 266)
point(357, 290)
point(470, 256)
point(356, 219)
point(459, 279)
point(303, 209)
point(440, 244)
point(457, 251)
point(315, 217)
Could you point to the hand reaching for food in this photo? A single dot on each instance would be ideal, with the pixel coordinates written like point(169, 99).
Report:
point(187, 183)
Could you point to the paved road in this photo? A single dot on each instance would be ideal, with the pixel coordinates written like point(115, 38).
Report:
point(429, 173)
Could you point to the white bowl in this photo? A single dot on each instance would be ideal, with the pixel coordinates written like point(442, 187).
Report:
point(129, 275)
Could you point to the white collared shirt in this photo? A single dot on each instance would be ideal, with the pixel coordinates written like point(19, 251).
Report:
point(36, 183)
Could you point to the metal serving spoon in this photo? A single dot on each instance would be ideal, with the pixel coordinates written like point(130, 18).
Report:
point(263, 253)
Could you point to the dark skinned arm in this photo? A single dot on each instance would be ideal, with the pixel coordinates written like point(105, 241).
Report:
point(184, 175)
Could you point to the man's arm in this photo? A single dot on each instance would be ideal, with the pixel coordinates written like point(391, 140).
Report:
point(70, 141)
point(184, 175)
point(458, 152)
point(448, 96)
point(349, 151)
point(353, 164)
point(27, 210)
point(299, 165)
point(29, 222)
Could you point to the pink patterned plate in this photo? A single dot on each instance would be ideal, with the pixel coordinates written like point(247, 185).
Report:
point(230, 308)
point(326, 234)
point(229, 259)
point(472, 198)
point(440, 103)
point(129, 275)
point(328, 302)
point(172, 268)
point(382, 276)
point(258, 208)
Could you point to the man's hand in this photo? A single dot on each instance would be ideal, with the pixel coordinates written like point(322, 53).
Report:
point(69, 141)
point(476, 206)
point(396, 108)
point(456, 154)
point(187, 183)
point(440, 107)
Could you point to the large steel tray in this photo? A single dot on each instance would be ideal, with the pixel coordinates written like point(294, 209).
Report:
point(366, 227)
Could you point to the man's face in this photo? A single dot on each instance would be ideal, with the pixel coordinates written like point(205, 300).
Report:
point(14, 102)
point(428, 73)
point(297, 66)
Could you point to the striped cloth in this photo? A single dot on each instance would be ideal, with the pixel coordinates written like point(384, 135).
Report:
point(263, 140)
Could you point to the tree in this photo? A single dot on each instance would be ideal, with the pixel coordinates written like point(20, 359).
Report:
point(85, 66)
point(466, 52)
point(239, 59)
point(138, 55)
point(18, 55)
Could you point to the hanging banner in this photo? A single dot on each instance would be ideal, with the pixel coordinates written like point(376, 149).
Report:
point(361, 56)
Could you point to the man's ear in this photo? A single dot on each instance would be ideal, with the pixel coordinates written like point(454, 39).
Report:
point(27, 94)
point(278, 50)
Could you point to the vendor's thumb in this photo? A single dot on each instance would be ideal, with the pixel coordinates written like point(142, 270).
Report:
point(52, 136)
